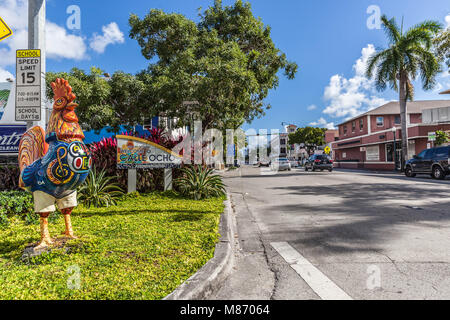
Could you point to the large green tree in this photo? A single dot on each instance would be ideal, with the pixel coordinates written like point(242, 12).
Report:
point(310, 136)
point(224, 65)
point(409, 54)
point(115, 101)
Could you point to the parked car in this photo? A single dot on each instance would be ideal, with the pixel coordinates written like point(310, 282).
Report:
point(319, 162)
point(294, 162)
point(435, 161)
point(280, 164)
point(261, 163)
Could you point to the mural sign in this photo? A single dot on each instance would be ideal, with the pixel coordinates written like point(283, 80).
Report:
point(10, 139)
point(137, 153)
point(4, 95)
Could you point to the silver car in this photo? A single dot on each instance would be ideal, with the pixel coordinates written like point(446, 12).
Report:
point(280, 164)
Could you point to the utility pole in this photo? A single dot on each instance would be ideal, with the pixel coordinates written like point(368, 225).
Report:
point(36, 40)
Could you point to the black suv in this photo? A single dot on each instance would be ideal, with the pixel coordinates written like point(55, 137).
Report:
point(435, 161)
point(319, 162)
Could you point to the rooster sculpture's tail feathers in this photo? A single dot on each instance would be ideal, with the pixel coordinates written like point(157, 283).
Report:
point(32, 147)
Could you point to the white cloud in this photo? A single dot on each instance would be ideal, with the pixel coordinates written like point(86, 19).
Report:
point(312, 107)
point(447, 20)
point(60, 44)
point(111, 35)
point(5, 74)
point(350, 97)
point(323, 124)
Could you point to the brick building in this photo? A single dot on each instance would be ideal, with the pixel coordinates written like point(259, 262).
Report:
point(367, 141)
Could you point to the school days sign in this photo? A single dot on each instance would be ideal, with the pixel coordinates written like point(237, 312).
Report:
point(137, 153)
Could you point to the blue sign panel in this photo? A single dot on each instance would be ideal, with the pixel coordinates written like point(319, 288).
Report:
point(10, 138)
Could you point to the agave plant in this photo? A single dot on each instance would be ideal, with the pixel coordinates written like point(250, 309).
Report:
point(199, 183)
point(99, 190)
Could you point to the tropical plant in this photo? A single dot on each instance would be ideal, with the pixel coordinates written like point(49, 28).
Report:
point(199, 182)
point(409, 54)
point(441, 137)
point(99, 190)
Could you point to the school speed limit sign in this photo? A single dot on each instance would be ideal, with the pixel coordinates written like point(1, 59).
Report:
point(28, 85)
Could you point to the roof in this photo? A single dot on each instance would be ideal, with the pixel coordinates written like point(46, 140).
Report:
point(393, 107)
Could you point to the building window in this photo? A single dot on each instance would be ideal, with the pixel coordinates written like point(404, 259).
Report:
point(373, 153)
point(282, 141)
point(361, 124)
point(397, 120)
point(380, 121)
point(353, 126)
point(345, 130)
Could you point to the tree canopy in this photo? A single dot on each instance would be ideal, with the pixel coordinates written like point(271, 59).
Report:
point(224, 66)
point(310, 136)
point(105, 102)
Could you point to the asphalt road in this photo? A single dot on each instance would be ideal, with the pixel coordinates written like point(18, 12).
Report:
point(358, 234)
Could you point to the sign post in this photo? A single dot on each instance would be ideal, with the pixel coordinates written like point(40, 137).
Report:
point(432, 138)
point(168, 181)
point(28, 86)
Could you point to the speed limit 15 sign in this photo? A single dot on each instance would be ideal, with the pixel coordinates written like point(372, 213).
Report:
point(28, 85)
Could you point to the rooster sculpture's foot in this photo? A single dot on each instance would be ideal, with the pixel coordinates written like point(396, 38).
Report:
point(46, 240)
point(44, 244)
point(69, 235)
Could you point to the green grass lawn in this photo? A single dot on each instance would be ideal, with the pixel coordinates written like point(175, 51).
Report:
point(143, 248)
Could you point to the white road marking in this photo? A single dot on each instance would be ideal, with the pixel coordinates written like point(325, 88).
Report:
point(319, 283)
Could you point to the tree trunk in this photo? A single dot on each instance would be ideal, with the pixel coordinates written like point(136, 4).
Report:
point(403, 117)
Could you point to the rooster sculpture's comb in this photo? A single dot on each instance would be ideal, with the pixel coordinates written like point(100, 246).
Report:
point(62, 93)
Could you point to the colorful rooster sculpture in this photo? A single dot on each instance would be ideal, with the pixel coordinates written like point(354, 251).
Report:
point(55, 163)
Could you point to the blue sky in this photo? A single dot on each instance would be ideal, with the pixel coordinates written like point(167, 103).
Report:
point(329, 40)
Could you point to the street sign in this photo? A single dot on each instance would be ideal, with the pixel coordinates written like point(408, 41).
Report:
point(431, 136)
point(5, 31)
point(28, 85)
point(327, 150)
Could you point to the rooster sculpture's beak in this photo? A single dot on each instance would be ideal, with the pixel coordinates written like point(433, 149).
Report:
point(69, 114)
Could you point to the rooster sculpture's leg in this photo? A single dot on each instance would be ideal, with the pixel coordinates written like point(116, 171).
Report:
point(46, 240)
point(69, 231)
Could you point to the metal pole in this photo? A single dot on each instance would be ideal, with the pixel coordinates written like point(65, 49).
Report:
point(168, 179)
point(36, 40)
point(395, 151)
point(132, 180)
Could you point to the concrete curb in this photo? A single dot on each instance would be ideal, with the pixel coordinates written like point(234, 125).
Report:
point(212, 275)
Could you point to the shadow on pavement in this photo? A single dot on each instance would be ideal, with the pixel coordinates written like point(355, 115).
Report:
point(362, 219)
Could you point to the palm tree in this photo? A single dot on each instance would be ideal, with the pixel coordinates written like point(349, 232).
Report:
point(442, 44)
point(409, 54)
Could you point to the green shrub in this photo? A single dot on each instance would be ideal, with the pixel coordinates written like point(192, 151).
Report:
point(16, 203)
point(99, 190)
point(4, 221)
point(9, 177)
point(200, 183)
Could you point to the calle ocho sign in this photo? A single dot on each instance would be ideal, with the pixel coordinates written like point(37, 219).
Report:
point(137, 153)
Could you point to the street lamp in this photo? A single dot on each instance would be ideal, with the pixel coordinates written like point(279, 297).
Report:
point(394, 131)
